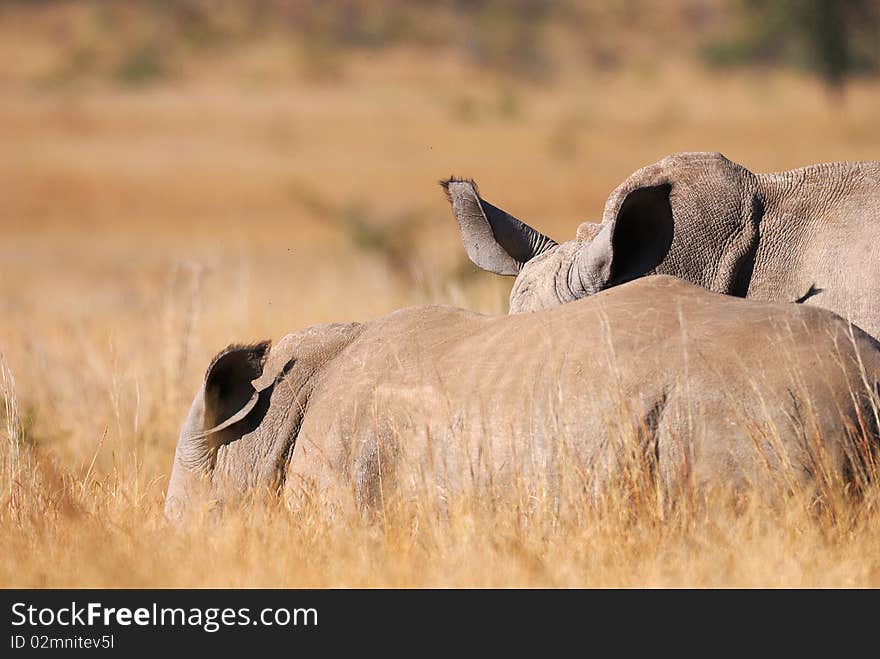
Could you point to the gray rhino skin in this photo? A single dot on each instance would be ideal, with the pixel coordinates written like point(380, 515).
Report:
point(441, 401)
point(809, 235)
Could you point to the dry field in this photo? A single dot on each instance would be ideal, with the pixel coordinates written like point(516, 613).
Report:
point(143, 228)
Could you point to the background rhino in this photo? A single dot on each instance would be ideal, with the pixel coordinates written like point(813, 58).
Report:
point(698, 388)
point(809, 235)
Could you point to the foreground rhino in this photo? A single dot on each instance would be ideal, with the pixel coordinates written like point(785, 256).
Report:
point(706, 388)
point(810, 235)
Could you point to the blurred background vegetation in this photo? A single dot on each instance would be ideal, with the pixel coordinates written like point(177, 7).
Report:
point(832, 38)
point(140, 41)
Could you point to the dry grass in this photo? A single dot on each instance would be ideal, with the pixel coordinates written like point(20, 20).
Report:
point(142, 229)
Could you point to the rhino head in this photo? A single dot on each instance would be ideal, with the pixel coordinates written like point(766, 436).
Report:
point(690, 215)
point(548, 273)
point(219, 409)
point(242, 427)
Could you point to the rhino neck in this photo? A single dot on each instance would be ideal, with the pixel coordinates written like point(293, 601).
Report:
point(801, 198)
point(797, 207)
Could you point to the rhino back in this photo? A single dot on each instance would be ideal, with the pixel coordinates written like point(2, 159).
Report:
point(463, 400)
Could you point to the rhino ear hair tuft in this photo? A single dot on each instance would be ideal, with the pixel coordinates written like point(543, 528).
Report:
point(445, 183)
point(250, 356)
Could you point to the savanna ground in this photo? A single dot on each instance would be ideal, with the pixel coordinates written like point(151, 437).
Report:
point(158, 206)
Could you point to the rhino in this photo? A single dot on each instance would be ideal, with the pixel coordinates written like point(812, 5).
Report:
point(438, 401)
point(808, 235)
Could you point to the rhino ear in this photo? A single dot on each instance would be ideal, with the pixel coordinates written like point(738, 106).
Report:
point(494, 240)
point(229, 394)
point(633, 242)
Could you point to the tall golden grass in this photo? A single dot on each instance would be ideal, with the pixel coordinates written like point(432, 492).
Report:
point(144, 228)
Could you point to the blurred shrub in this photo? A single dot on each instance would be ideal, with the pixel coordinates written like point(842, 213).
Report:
point(141, 65)
point(833, 38)
point(507, 35)
point(506, 104)
point(392, 237)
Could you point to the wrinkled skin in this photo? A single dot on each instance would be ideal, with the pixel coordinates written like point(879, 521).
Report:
point(437, 400)
point(808, 235)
